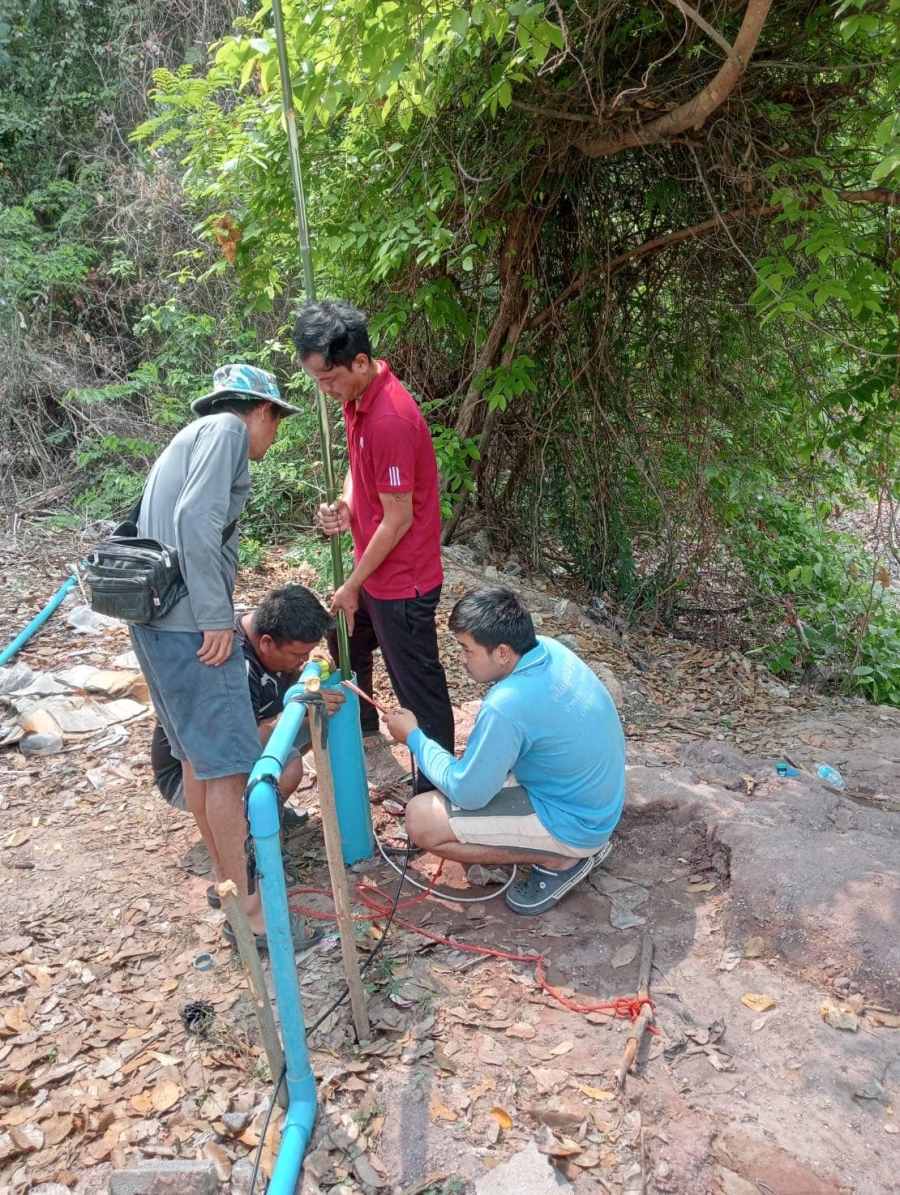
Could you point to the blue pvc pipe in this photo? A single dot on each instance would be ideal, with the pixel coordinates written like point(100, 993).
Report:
point(264, 826)
point(348, 768)
point(20, 640)
point(354, 815)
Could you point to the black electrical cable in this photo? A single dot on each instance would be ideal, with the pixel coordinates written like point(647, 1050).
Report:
point(331, 1008)
point(265, 1129)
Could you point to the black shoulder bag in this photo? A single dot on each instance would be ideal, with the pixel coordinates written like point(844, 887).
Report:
point(137, 580)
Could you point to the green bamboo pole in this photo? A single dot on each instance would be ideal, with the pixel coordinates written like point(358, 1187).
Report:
point(309, 285)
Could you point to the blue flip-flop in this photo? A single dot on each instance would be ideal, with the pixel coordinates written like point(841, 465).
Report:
point(546, 887)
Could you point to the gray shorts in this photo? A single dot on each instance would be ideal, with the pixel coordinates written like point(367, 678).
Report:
point(509, 820)
point(205, 711)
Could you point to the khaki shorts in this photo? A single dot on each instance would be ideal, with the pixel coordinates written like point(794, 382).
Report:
point(509, 820)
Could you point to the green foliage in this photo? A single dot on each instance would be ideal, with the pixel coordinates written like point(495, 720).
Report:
point(814, 574)
point(573, 317)
point(250, 552)
point(454, 457)
point(111, 474)
point(41, 255)
point(287, 482)
point(311, 553)
point(52, 65)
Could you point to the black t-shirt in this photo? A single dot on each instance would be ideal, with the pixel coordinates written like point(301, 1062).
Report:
point(267, 690)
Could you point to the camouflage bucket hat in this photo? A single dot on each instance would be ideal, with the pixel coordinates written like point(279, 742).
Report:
point(242, 381)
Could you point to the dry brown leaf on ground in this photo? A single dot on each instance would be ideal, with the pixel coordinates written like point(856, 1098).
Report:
point(218, 1155)
point(595, 1093)
point(888, 1020)
point(270, 1145)
point(839, 1017)
point(548, 1078)
point(731, 956)
point(57, 1129)
point(490, 1052)
point(165, 1095)
point(557, 1112)
point(439, 1111)
point(624, 955)
point(754, 947)
point(366, 1172)
point(558, 1147)
point(502, 1117)
point(757, 1002)
point(488, 1083)
point(444, 1063)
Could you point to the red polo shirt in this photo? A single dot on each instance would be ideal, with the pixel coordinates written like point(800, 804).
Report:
point(391, 453)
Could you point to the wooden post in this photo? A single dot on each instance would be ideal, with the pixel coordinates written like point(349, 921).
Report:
point(646, 1017)
point(331, 828)
point(245, 941)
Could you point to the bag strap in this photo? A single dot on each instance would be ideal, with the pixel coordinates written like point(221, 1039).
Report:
point(134, 514)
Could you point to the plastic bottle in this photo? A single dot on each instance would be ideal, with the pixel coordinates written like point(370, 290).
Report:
point(831, 775)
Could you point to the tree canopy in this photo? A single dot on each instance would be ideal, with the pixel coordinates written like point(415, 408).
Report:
point(638, 261)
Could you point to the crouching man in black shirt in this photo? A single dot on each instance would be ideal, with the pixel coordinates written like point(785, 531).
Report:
point(276, 639)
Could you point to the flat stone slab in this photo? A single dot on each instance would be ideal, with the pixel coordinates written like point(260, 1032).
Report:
point(166, 1178)
point(528, 1172)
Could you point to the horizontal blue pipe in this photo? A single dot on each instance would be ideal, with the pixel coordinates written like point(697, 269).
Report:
point(262, 809)
point(20, 640)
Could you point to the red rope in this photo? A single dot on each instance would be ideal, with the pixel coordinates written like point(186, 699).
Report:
point(371, 896)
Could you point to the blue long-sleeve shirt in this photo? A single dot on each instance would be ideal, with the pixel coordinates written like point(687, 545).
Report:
point(553, 724)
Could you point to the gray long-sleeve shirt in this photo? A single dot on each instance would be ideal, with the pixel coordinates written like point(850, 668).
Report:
point(195, 489)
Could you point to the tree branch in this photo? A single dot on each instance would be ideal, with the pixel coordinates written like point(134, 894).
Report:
point(694, 112)
point(693, 15)
point(877, 195)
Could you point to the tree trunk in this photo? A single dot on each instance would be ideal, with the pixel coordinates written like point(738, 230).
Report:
point(509, 315)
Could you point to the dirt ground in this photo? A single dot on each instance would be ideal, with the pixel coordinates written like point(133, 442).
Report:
point(772, 903)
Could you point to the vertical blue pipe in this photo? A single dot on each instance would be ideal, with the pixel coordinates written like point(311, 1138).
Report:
point(348, 767)
point(20, 640)
point(264, 826)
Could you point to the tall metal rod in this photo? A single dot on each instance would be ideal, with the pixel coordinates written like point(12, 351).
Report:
point(309, 285)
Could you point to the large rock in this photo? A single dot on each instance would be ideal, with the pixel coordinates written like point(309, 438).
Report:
point(718, 764)
point(526, 1173)
point(815, 873)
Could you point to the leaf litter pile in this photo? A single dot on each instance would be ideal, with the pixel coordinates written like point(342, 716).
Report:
point(104, 918)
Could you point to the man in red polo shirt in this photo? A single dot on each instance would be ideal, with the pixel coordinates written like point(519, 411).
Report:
point(391, 505)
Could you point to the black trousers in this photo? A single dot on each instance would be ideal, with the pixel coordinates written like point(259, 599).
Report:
point(404, 629)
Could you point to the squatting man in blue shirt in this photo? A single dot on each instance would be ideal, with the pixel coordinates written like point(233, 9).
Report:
point(542, 780)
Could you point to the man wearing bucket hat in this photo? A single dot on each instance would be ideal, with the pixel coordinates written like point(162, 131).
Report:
point(197, 680)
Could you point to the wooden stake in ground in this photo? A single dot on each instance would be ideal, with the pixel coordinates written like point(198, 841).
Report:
point(645, 1019)
point(245, 940)
point(340, 891)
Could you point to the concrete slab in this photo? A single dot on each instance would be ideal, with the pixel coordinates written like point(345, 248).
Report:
point(528, 1172)
point(166, 1178)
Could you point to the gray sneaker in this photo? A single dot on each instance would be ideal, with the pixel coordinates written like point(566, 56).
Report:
point(545, 887)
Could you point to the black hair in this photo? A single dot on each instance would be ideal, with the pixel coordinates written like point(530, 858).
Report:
point(336, 330)
point(292, 613)
point(494, 616)
point(243, 406)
